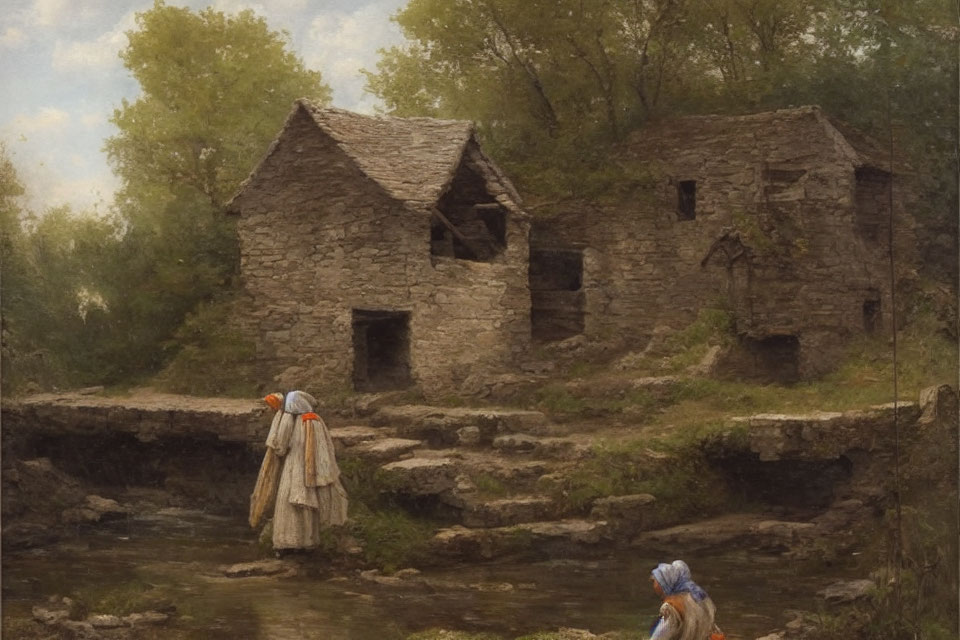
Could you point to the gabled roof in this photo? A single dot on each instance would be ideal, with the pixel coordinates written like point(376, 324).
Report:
point(856, 147)
point(412, 159)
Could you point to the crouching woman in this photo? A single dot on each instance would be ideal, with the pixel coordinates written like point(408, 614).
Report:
point(687, 611)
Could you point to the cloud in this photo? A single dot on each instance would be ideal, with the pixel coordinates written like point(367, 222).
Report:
point(99, 53)
point(282, 7)
point(48, 13)
point(47, 119)
point(340, 44)
point(12, 38)
point(93, 119)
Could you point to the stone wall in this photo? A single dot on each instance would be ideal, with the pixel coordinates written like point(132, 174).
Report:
point(778, 235)
point(318, 240)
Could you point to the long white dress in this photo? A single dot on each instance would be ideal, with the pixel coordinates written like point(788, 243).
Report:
point(302, 511)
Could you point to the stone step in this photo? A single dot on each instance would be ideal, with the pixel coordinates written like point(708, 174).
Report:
point(351, 436)
point(635, 512)
point(421, 476)
point(821, 435)
point(550, 447)
point(506, 469)
point(560, 538)
point(384, 449)
point(737, 530)
point(459, 425)
point(510, 511)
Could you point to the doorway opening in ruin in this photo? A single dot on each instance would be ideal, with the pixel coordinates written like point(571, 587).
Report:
point(872, 318)
point(686, 200)
point(556, 293)
point(871, 202)
point(381, 350)
point(772, 358)
point(468, 223)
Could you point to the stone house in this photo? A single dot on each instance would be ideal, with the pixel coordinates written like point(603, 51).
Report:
point(779, 217)
point(380, 252)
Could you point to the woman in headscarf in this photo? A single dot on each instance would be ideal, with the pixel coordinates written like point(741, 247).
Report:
point(309, 495)
point(687, 611)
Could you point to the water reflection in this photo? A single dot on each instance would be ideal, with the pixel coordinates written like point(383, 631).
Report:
point(177, 553)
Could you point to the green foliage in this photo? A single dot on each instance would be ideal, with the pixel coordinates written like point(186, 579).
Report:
point(391, 538)
point(687, 347)
point(215, 90)
point(214, 358)
point(443, 634)
point(489, 486)
point(100, 299)
point(563, 403)
point(58, 326)
point(553, 83)
point(117, 599)
point(564, 635)
point(677, 475)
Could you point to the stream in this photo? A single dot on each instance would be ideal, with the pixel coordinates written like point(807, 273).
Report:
point(175, 556)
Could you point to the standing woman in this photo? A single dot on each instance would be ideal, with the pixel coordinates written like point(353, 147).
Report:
point(687, 611)
point(309, 495)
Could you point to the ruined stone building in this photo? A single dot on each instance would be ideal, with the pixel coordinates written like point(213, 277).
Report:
point(383, 252)
point(380, 252)
point(778, 217)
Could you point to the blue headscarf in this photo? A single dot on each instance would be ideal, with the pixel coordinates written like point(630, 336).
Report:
point(298, 402)
point(674, 578)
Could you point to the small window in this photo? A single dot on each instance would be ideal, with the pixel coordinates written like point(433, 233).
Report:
point(871, 315)
point(686, 200)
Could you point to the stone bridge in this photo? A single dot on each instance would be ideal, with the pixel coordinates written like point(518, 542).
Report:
point(146, 415)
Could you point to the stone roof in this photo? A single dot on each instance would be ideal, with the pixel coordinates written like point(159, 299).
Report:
point(856, 147)
point(412, 159)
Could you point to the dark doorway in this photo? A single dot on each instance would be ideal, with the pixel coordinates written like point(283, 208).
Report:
point(775, 358)
point(381, 350)
point(770, 359)
point(686, 199)
point(872, 319)
point(556, 293)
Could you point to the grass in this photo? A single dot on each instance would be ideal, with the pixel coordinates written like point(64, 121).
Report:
point(391, 538)
point(681, 480)
point(117, 599)
point(443, 634)
point(489, 486)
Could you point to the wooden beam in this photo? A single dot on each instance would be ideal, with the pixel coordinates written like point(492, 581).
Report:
point(456, 232)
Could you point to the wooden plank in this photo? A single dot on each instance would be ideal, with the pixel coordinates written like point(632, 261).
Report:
point(456, 232)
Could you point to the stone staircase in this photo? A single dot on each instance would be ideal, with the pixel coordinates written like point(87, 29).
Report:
point(492, 468)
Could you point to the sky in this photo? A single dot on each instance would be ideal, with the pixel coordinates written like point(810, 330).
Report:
point(62, 78)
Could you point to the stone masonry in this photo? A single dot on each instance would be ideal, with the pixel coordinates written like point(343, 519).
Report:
point(778, 217)
point(382, 251)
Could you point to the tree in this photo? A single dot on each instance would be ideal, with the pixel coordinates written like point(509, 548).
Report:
point(215, 90)
point(553, 84)
point(550, 82)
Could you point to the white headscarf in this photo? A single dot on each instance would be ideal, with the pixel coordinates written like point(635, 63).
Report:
point(299, 402)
